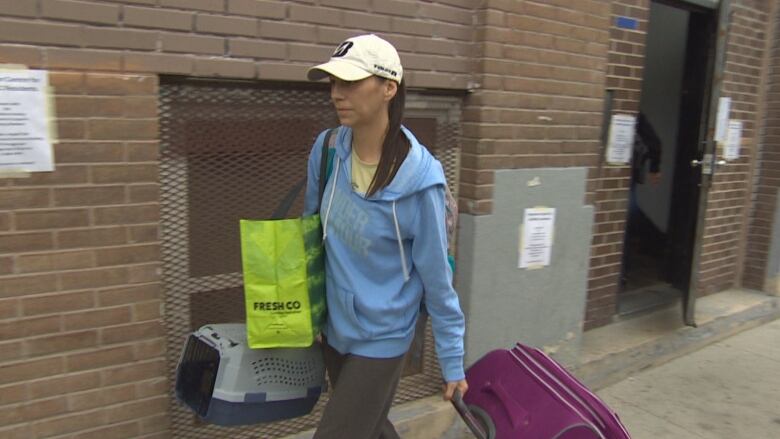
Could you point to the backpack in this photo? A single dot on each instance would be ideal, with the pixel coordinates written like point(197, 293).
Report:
point(450, 203)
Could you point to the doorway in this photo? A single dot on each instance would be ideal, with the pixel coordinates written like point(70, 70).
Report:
point(671, 127)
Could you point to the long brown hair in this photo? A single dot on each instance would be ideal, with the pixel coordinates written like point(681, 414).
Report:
point(395, 146)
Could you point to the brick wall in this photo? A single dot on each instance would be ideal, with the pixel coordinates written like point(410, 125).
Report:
point(541, 84)
point(610, 184)
point(81, 334)
point(767, 175)
point(263, 39)
point(729, 198)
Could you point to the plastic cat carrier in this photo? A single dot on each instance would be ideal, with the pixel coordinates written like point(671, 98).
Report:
point(226, 383)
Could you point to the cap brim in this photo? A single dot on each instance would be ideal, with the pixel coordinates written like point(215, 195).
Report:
point(340, 69)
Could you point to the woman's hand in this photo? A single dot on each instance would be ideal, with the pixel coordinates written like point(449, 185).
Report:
point(449, 389)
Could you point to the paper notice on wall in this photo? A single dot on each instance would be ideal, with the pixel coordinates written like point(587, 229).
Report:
point(621, 139)
point(25, 140)
point(536, 237)
point(733, 140)
point(722, 124)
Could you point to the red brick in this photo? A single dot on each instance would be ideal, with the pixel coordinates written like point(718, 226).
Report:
point(33, 410)
point(128, 255)
point(24, 198)
point(57, 303)
point(9, 308)
point(123, 129)
point(23, 55)
point(61, 343)
point(258, 8)
point(67, 82)
point(114, 431)
point(127, 215)
point(103, 277)
point(158, 18)
point(97, 318)
point(83, 59)
point(144, 193)
point(143, 151)
point(54, 261)
point(6, 267)
point(31, 32)
point(139, 371)
point(139, 274)
point(30, 369)
point(84, 106)
point(71, 10)
point(133, 332)
point(139, 234)
point(25, 242)
point(93, 237)
point(14, 393)
point(51, 219)
point(100, 358)
point(138, 409)
point(30, 327)
point(158, 63)
point(186, 43)
point(148, 311)
point(5, 221)
point(124, 173)
point(69, 423)
point(67, 152)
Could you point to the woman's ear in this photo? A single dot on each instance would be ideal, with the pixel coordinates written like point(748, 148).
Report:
point(390, 89)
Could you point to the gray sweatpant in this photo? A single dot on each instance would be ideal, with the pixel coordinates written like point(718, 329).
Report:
point(362, 393)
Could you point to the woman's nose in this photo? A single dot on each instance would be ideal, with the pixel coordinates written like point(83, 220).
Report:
point(335, 91)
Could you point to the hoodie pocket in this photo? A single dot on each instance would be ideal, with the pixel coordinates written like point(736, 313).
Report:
point(352, 314)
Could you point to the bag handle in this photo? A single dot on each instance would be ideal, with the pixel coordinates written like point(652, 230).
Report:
point(477, 420)
point(284, 205)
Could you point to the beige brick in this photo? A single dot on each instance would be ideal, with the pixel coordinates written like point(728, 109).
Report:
point(144, 193)
point(362, 5)
point(257, 49)
point(137, 409)
point(13, 351)
point(147, 311)
point(30, 327)
point(287, 31)
point(30, 369)
point(153, 349)
point(130, 85)
point(158, 63)
point(138, 371)
point(83, 59)
point(132, 294)
point(19, 431)
point(133, 332)
point(97, 152)
point(124, 173)
point(128, 255)
point(62, 343)
point(445, 13)
point(123, 129)
point(6, 265)
point(152, 388)
point(225, 67)
point(54, 261)
point(33, 410)
point(24, 55)
point(81, 106)
point(99, 359)
point(143, 273)
point(18, 8)
point(25, 242)
point(140, 107)
point(114, 431)
point(101, 397)
point(97, 318)
point(395, 7)
point(67, 82)
point(144, 213)
point(13, 393)
point(308, 52)
point(9, 308)
point(158, 18)
point(63, 385)
point(89, 196)
point(5, 223)
point(411, 27)
point(453, 31)
point(24, 198)
point(69, 423)
point(333, 36)
point(51, 219)
point(155, 424)
point(143, 151)
point(362, 20)
point(140, 234)
point(23, 285)
point(103, 277)
point(68, 129)
point(120, 38)
point(63, 175)
point(258, 8)
point(282, 71)
point(57, 303)
point(225, 25)
point(94, 237)
point(71, 10)
point(187, 43)
point(205, 5)
point(33, 32)
point(315, 14)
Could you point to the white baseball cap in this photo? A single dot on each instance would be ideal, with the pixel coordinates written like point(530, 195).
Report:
point(360, 57)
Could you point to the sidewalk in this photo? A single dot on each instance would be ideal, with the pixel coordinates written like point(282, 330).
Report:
point(730, 389)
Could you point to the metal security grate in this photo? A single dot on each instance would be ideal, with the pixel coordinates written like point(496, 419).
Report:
point(231, 150)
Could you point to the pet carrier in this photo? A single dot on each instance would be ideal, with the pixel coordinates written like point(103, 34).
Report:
point(226, 383)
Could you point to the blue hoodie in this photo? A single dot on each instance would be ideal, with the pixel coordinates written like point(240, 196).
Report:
point(382, 253)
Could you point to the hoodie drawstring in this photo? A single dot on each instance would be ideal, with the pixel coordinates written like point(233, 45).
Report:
point(330, 200)
point(400, 245)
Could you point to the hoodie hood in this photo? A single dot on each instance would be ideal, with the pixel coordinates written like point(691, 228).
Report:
point(419, 171)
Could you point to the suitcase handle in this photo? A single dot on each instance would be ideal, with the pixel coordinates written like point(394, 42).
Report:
point(477, 421)
point(517, 415)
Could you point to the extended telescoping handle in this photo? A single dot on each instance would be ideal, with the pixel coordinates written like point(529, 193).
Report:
point(469, 417)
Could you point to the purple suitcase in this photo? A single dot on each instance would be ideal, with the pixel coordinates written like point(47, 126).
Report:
point(524, 394)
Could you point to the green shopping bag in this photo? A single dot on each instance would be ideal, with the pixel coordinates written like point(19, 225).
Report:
point(284, 281)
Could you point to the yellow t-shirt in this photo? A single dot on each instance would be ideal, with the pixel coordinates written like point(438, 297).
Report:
point(362, 173)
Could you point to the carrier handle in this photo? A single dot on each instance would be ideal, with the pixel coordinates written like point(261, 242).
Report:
point(509, 404)
point(476, 420)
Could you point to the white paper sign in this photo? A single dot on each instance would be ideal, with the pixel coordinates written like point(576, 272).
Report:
point(25, 144)
point(621, 139)
point(536, 237)
point(733, 140)
point(721, 128)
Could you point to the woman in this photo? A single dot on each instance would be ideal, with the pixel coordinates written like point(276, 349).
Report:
point(383, 225)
